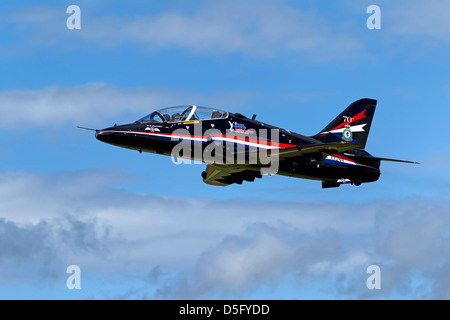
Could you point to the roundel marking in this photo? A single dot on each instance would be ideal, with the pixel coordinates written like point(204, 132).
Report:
point(347, 135)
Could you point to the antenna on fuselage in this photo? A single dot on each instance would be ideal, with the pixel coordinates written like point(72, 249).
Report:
point(87, 128)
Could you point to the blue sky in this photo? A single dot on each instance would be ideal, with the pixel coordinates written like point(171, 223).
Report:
point(141, 227)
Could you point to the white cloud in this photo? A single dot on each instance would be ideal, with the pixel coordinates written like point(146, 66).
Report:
point(94, 103)
point(200, 248)
point(254, 28)
point(408, 240)
point(426, 21)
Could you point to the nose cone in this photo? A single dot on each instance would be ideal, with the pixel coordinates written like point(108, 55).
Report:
point(102, 135)
point(109, 135)
point(121, 136)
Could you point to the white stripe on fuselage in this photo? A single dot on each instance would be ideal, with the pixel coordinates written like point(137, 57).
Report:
point(345, 161)
point(214, 138)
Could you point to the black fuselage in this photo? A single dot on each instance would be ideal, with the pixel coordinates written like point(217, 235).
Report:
point(245, 135)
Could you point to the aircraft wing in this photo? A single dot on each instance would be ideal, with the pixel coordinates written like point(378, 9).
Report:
point(224, 175)
point(317, 150)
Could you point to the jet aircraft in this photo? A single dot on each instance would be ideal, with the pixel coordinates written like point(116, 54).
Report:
point(236, 148)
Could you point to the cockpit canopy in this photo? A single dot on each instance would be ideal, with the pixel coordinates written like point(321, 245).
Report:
point(183, 113)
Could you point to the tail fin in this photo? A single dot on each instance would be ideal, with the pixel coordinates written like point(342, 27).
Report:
point(352, 125)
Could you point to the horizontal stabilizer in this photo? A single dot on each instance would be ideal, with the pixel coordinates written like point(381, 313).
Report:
point(396, 160)
point(363, 156)
point(328, 148)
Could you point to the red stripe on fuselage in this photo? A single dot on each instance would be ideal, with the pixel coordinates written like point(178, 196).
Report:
point(239, 139)
point(353, 161)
